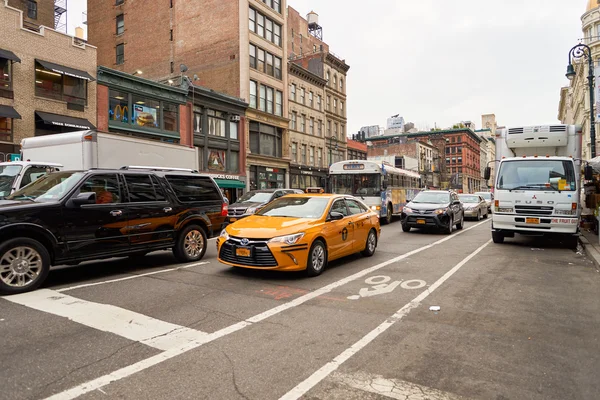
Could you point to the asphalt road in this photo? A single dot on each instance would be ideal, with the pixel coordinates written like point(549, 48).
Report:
point(518, 320)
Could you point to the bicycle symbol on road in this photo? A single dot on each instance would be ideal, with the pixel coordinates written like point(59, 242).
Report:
point(379, 285)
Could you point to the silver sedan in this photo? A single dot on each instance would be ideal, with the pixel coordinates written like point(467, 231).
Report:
point(475, 206)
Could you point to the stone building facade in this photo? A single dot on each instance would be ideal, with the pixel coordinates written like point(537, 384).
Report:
point(48, 80)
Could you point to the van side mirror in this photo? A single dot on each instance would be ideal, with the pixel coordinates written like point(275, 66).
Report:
point(588, 172)
point(487, 174)
point(84, 198)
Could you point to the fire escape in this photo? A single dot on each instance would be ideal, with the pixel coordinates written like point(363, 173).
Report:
point(60, 9)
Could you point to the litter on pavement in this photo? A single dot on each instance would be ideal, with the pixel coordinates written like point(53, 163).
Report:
point(435, 308)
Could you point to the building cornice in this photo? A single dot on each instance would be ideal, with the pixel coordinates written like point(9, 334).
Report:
point(337, 62)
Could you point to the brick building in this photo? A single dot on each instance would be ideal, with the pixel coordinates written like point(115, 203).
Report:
point(235, 47)
point(36, 13)
point(356, 150)
point(47, 83)
point(308, 146)
point(306, 48)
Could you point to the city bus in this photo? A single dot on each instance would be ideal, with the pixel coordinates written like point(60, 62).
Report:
point(382, 187)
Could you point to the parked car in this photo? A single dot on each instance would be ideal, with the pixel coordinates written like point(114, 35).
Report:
point(439, 209)
point(73, 216)
point(300, 232)
point(474, 205)
point(489, 199)
point(254, 200)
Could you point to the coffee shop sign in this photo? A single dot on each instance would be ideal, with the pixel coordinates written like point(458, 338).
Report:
point(227, 177)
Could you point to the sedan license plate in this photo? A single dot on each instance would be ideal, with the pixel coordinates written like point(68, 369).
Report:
point(242, 252)
point(421, 221)
point(532, 220)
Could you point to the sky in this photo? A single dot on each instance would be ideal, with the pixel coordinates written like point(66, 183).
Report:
point(437, 63)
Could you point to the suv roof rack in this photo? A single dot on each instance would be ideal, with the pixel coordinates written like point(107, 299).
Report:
point(129, 167)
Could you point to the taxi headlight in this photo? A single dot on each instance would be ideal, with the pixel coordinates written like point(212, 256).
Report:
point(224, 235)
point(288, 239)
point(407, 210)
point(440, 211)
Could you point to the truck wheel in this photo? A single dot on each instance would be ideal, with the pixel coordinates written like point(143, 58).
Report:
point(24, 265)
point(497, 237)
point(191, 244)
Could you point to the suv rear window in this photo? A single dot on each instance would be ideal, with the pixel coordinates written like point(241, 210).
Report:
point(193, 188)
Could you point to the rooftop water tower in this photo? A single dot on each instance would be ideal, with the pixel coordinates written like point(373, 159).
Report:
point(313, 25)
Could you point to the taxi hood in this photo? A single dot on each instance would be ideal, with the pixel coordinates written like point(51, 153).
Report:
point(263, 227)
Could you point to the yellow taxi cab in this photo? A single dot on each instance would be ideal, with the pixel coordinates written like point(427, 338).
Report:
point(300, 232)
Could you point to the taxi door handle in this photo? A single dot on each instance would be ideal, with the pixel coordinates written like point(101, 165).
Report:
point(350, 223)
point(167, 209)
point(116, 213)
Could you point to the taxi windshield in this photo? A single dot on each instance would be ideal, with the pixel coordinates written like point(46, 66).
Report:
point(296, 207)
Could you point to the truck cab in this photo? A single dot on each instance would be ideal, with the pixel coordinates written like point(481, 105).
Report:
point(536, 188)
point(15, 175)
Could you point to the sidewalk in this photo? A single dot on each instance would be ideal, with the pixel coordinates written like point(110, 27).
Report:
point(591, 245)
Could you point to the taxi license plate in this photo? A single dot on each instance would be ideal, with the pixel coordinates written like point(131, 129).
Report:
point(532, 220)
point(232, 219)
point(421, 221)
point(242, 252)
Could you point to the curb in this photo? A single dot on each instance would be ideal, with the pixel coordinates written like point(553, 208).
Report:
point(590, 250)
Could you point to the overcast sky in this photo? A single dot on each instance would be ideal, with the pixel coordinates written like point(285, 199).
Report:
point(441, 62)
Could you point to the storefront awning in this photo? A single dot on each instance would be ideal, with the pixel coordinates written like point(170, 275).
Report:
point(9, 55)
point(9, 112)
point(61, 69)
point(63, 120)
point(230, 184)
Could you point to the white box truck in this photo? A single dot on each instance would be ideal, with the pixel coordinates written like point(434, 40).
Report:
point(83, 150)
point(15, 175)
point(536, 187)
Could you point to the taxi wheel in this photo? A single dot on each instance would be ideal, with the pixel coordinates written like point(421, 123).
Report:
point(371, 244)
point(317, 259)
point(191, 244)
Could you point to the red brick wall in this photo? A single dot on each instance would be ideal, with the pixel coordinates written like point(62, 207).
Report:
point(186, 137)
point(299, 25)
point(102, 108)
point(45, 11)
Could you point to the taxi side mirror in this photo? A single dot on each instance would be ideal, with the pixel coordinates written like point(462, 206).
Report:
point(335, 216)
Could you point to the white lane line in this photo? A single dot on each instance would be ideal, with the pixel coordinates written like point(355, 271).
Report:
point(392, 388)
point(129, 370)
point(331, 366)
point(119, 321)
point(132, 276)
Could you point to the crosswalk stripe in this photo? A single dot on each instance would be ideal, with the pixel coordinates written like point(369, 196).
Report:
point(128, 324)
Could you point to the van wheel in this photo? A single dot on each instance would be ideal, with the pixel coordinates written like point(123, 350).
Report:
point(497, 237)
point(191, 244)
point(371, 244)
point(317, 259)
point(24, 265)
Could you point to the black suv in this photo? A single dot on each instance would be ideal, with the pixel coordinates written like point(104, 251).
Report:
point(73, 216)
point(440, 209)
point(254, 200)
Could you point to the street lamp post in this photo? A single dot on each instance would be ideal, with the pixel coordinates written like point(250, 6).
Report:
point(578, 52)
point(331, 140)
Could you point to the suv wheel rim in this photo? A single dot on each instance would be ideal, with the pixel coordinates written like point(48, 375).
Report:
point(20, 266)
point(193, 244)
point(318, 258)
point(371, 242)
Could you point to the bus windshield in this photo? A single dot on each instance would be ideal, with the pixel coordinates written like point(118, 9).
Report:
point(357, 184)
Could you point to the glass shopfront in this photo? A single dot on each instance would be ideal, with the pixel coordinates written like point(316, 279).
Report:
point(302, 179)
point(266, 178)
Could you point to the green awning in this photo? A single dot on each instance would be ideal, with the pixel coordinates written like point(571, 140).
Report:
point(230, 184)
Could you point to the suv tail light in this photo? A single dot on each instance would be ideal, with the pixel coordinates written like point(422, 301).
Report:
point(224, 209)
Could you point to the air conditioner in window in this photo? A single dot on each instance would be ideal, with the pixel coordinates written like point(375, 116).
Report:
point(235, 117)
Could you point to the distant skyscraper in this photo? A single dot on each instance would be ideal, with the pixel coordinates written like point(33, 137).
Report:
point(396, 122)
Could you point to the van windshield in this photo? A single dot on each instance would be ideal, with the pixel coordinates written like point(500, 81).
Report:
point(51, 187)
point(537, 175)
point(8, 173)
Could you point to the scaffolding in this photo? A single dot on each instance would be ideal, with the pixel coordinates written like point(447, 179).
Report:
point(60, 11)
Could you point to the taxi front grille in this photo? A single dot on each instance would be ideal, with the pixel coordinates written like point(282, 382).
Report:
point(260, 254)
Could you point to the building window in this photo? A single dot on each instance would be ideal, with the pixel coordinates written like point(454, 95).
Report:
point(120, 24)
point(6, 131)
point(294, 152)
point(270, 100)
point(328, 128)
point(335, 106)
point(328, 103)
point(278, 68)
point(310, 99)
point(277, 34)
point(335, 130)
point(320, 128)
point(56, 86)
point(5, 75)
point(261, 60)
point(171, 35)
point(279, 103)
point(311, 126)
point(265, 139)
point(319, 103)
point(217, 160)
point(234, 162)
point(314, 48)
point(146, 112)
point(327, 76)
point(342, 131)
point(120, 53)
point(293, 120)
point(270, 70)
point(170, 117)
point(252, 20)
point(264, 27)
point(335, 81)
point(302, 95)
point(293, 92)
point(233, 130)
point(303, 154)
point(341, 108)
point(269, 30)
point(263, 98)
point(216, 123)
point(252, 56)
point(32, 9)
point(311, 156)
point(252, 94)
point(197, 124)
point(319, 157)
point(341, 84)
point(303, 123)
point(118, 104)
point(260, 24)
